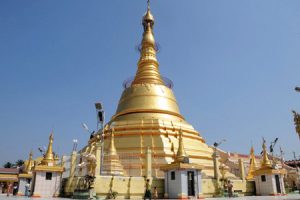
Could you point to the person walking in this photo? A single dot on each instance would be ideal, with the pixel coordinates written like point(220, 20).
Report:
point(229, 187)
point(27, 189)
point(148, 190)
point(155, 194)
point(9, 189)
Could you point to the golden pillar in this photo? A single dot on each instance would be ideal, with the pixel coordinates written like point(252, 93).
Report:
point(242, 169)
point(148, 163)
point(216, 165)
point(98, 159)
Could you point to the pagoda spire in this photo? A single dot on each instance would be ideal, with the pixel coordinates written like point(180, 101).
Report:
point(252, 166)
point(48, 157)
point(29, 163)
point(265, 160)
point(181, 154)
point(112, 149)
point(112, 164)
point(148, 67)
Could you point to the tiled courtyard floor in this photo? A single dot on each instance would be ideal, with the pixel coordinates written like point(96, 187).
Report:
point(288, 197)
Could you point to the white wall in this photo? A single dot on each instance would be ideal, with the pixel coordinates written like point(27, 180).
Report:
point(47, 188)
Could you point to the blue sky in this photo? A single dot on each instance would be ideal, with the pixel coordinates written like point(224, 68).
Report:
point(234, 65)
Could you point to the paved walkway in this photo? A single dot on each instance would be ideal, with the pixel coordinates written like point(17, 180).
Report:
point(288, 197)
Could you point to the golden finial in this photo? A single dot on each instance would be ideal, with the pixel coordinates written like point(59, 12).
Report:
point(112, 149)
point(48, 157)
point(29, 163)
point(252, 166)
point(265, 161)
point(148, 71)
point(181, 154)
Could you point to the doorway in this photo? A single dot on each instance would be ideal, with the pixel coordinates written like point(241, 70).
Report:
point(277, 184)
point(191, 183)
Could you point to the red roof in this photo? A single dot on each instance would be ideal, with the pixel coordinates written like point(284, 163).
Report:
point(9, 171)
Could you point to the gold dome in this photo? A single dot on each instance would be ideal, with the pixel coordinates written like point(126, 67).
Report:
point(150, 98)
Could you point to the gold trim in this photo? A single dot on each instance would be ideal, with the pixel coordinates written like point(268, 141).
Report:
point(49, 168)
point(131, 111)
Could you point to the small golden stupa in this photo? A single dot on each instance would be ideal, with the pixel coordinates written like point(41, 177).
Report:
point(49, 162)
point(252, 166)
point(266, 165)
point(27, 169)
point(148, 116)
point(112, 165)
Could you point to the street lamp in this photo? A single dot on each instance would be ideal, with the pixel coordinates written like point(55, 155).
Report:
point(75, 141)
point(100, 121)
point(215, 155)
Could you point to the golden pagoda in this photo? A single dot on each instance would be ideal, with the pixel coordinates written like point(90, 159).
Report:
point(252, 166)
point(148, 116)
point(266, 165)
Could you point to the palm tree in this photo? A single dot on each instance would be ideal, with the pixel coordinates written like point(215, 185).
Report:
point(19, 163)
point(8, 165)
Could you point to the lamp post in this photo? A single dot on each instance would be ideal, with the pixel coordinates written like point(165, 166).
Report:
point(75, 142)
point(272, 145)
point(100, 121)
point(215, 156)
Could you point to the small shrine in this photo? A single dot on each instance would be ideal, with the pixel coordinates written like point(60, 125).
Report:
point(182, 178)
point(269, 178)
point(47, 175)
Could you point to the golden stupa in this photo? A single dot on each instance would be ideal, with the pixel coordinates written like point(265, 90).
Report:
point(148, 116)
point(252, 166)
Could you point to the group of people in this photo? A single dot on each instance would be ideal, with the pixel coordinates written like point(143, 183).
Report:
point(148, 193)
point(11, 189)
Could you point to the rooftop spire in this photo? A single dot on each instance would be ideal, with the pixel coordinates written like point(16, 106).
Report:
point(265, 160)
point(29, 163)
point(148, 71)
point(112, 149)
point(252, 166)
point(181, 154)
point(48, 157)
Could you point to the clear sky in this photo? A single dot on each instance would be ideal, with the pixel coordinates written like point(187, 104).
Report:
point(234, 65)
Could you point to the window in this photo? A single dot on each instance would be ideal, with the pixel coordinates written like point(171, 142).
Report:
point(173, 175)
point(263, 178)
point(48, 175)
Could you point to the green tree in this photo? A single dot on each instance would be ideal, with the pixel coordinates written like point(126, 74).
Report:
point(8, 165)
point(19, 163)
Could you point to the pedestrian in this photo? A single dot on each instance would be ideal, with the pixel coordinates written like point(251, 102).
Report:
point(9, 189)
point(148, 190)
point(155, 194)
point(27, 189)
point(15, 190)
point(229, 187)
